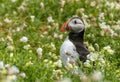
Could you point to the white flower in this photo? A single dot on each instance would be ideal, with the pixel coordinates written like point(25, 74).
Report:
point(13, 1)
point(6, 20)
point(39, 51)
point(77, 71)
point(93, 3)
point(118, 22)
point(84, 16)
point(111, 32)
point(7, 65)
point(108, 49)
point(26, 47)
point(116, 27)
point(97, 76)
point(18, 29)
point(106, 29)
point(10, 78)
point(62, 3)
point(104, 26)
point(22, 7)
point(1, 65)
point(58, 36)
point(53, 46)
point(92, 56)
point(101, 17)
point(87, 25)
point(58, 72)
point(80, 10)
point(102, 60)
point(61, 36)
point(66, 80)
point(11, 54)
point(50, 19)
point(61, 10)
point(9, 38)
point(111, 15)
point(24, 39)
point(102, 33)
point(23, 75)
point(84, 78)
point(117, 6)
point(59, 63)
point(13, 70)
point(91, 48)
point(113, 5)
point(42, 5)
point(29, 63)
point(56, 25)
point(49, 26)
point(32, 18)
point(55, 35)
point(87, 63)
point(10, 47)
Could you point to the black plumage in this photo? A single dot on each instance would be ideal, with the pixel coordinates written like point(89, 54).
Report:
point(78, 40)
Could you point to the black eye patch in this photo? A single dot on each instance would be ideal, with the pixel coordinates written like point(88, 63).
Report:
point(77, 18)
point(75, 22)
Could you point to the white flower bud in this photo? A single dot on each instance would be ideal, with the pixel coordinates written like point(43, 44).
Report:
point(39, 51)
point(24, 39)
point(23, 75)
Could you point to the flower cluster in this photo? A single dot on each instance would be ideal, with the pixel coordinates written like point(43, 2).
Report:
point(10, 73)
point(30, 39)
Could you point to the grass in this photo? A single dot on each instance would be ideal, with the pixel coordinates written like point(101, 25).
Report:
point(40, 33)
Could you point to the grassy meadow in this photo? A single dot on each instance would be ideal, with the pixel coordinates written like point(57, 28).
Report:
point(30, 40)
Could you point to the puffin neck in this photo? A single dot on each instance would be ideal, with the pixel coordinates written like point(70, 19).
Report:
point(77, 37)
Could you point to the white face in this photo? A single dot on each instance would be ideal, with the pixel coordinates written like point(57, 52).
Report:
point(76, 24)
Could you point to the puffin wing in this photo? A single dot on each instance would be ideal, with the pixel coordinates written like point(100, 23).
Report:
point(82, 50)
point(68, 53)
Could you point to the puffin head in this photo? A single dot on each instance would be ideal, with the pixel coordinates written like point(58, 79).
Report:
point(74, 24)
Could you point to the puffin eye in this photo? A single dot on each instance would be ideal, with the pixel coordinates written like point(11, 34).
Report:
point(75, 22)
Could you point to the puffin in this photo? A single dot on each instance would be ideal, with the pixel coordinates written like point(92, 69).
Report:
point(73, 48)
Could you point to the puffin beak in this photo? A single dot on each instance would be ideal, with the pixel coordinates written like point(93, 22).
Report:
point(64, 26)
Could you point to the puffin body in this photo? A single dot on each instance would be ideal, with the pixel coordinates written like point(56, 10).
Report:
point(73, 48)
point(68, 52)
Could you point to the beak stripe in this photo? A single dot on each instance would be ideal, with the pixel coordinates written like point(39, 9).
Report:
point(63, 28)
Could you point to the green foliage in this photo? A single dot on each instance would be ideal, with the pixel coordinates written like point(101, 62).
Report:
point(41, 33)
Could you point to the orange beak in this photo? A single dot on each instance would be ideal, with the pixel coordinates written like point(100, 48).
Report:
point(63, 28)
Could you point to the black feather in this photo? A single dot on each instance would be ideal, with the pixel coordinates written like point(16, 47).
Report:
point(78, 40)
